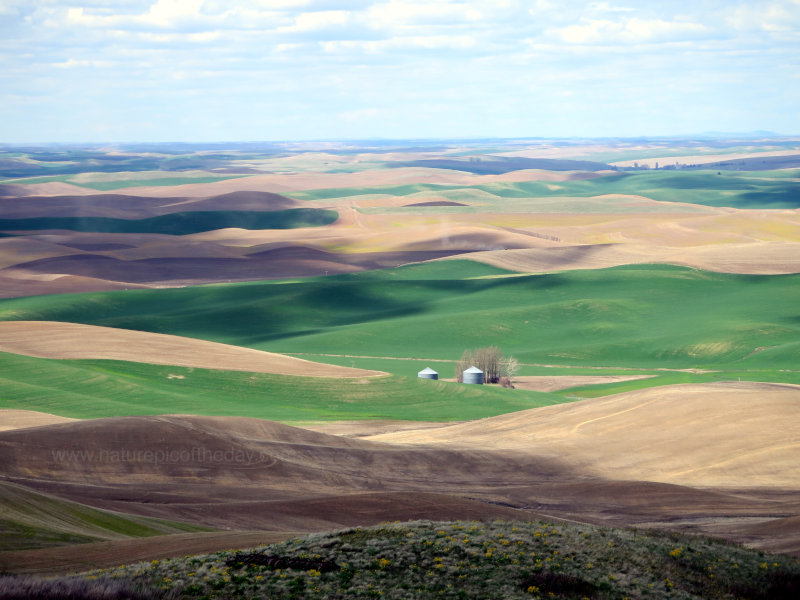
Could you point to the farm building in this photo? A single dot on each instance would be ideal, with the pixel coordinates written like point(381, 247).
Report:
point(428, 373)
point(473, 375)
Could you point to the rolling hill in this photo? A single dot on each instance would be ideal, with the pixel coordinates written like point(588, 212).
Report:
point(634, 316)
point(650, 459)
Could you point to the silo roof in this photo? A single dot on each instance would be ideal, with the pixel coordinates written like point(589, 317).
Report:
point(427, 371)
point(473, 370)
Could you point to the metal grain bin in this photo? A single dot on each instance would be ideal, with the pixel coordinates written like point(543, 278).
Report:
point(473, 375)
point(428, 373)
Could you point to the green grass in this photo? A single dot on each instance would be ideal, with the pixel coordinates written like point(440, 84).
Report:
point(31, 520)
point(153, 182)
point(655, 377)
point(100, 388)
point(122, 182)
point(476, 560)
point(645, 316)
point(391, 190)
point(180, 223)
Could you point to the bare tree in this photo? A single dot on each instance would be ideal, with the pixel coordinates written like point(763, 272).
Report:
point(509, 367)
point(489, 360)
point(464, 363)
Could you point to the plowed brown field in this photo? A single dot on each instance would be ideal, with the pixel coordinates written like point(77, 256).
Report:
point(376, 230)
point(716, 458)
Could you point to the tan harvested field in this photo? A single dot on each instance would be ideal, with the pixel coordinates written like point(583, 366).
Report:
point(736, 434)
point(761, 259)
point(285, 183)
point(20, 419)
point(715, 458)
point(48, 339)
point(356, 429)
point(377, 230)
point(553, 383)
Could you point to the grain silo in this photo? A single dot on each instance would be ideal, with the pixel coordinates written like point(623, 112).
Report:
point(473, 375)
point(428, 373)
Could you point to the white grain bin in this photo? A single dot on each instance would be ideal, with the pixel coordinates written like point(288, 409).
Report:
point(428, 373)
point(473, 375)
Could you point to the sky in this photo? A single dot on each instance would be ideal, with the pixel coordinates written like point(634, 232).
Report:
point(263, 70)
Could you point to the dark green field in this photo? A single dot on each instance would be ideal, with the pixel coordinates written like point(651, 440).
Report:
point(646, 320)
point(180, 223)
point(633, 316)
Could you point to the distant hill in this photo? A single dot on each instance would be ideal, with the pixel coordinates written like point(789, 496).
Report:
point(496, 165)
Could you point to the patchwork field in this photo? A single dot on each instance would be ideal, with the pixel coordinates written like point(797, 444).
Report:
point(203, 349)
point(60, 340)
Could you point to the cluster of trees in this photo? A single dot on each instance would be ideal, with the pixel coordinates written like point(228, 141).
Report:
point(496, 367)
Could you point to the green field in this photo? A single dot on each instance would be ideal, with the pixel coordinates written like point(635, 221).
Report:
point(180, 223)
point(647, 316)
point(31, 520)
point(637, 320)
point(654, 377)
point(118, 184)
point(102, 388)
point(122, 182)
point(710, 188)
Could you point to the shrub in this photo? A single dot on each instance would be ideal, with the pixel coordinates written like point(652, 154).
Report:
point(77, 588)
point(491, 361)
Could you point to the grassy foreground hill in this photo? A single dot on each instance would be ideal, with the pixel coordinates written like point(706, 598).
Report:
point(466, 560)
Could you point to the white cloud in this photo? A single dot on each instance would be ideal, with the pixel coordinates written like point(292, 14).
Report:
point(770, 17)
point(630, 31)
point(362, 114)
point(434, 42)
point(399, 13)
point(75, 64)
point(163, 14)
point(373, 67)
point(316, 21)
point(196, 38)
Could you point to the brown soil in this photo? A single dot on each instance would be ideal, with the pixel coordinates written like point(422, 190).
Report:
point(49, 339)
point(615, 230)
point(161, 265)
point(436, 203)
point(99, 555)
point(125, 206)
point(716, 458)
